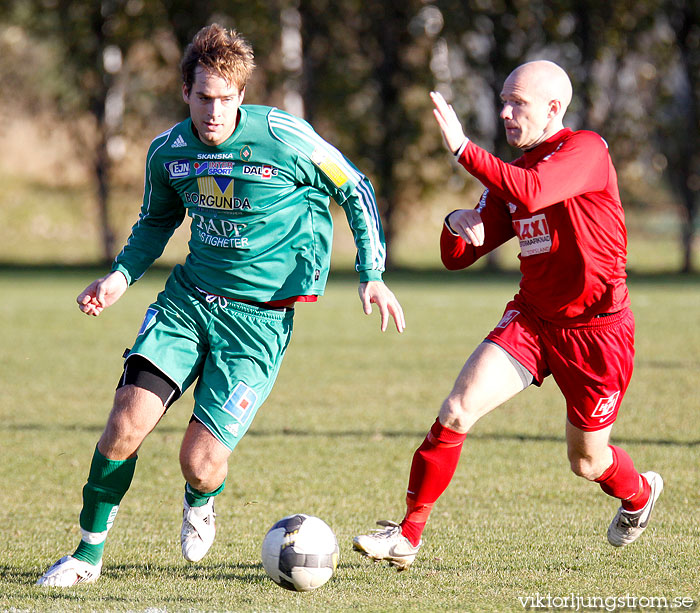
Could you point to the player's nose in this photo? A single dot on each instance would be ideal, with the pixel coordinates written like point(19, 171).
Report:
point(215, 107)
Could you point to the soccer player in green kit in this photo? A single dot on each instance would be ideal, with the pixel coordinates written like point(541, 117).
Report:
point(256, 183)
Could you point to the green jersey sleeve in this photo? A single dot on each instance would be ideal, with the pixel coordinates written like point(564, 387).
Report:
point(161, 213)
point(322, 166)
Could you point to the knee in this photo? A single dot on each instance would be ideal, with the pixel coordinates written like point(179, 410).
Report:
point(201, 471)
point(193, 470)
point(586, 466)
point(457, 414)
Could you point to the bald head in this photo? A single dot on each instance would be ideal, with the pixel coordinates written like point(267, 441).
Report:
point(535, 97)
point(549, 80)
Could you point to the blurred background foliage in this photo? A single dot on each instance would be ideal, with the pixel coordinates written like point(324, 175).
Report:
point(88, 83)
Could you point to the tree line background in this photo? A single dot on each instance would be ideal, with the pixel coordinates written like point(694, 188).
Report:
point(360, 70)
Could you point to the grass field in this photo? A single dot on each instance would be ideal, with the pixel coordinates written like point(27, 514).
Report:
point(335, 439)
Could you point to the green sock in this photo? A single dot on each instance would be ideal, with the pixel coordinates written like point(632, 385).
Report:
point(107, 483)
point(195, 498)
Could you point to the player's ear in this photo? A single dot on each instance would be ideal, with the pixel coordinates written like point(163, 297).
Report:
point(185, 93)
point(241, 95)
point(554, 108)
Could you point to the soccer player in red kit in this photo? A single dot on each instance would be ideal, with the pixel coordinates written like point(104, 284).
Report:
point(571, 318)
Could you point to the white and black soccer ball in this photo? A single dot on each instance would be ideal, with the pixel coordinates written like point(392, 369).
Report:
point(300, 552)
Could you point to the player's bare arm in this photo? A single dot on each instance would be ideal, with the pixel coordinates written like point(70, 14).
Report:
point(468, 224)
point(448, 121)
point(376, 292)
point(102, 293)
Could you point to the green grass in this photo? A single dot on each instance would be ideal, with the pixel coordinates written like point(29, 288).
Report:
point(335, 439)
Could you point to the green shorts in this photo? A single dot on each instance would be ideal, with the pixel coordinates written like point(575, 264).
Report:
point(234, 350)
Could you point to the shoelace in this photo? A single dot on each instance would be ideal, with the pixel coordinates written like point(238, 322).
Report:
point(191, 528)
point(386, 533)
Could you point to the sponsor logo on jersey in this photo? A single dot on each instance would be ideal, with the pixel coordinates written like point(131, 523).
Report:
point(241, 402)
point(216, 193)
point(264, 172)
point(605, 407)
point(213, 168)
point(334, 172)
point(215, 156)
point(533, 234)
point(178, 168)
point(179, 142)
point(209, 201)
point(219, 232)
point(508, 316)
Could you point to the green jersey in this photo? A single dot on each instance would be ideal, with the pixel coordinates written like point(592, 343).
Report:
point(261, 227)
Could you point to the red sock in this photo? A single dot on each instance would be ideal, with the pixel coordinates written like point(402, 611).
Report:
point(434, 463)
point(621, 480)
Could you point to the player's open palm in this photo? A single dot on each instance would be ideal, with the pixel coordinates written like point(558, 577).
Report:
point(102, 293)
point(448, 121)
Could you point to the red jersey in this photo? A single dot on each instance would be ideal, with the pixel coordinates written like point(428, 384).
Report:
point(562, 202)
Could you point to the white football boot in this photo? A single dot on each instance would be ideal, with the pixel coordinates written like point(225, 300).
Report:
point(627, 526)
point(70, 571)
point(387, 544)
point(198, 530)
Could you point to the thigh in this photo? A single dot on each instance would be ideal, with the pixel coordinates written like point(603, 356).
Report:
point(592, 366)
point(486, 381)
point(173, 334)
point(247, 345)
point(520, 334)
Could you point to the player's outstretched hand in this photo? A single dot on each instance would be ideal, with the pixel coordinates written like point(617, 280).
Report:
point(449, 123)
point(376, 292)
point(102, 293)
point(467, 223)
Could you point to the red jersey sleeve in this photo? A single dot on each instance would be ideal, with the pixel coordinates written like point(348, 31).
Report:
point(456, 253)
point(579, 166)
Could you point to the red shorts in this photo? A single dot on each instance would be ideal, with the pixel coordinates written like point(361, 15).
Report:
point(591, 363)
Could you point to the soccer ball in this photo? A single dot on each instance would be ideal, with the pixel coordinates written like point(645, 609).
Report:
point(300, 552)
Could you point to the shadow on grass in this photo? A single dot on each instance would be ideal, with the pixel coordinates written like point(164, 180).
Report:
point(245, 572)
point(236, 571)
point(360, 434)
